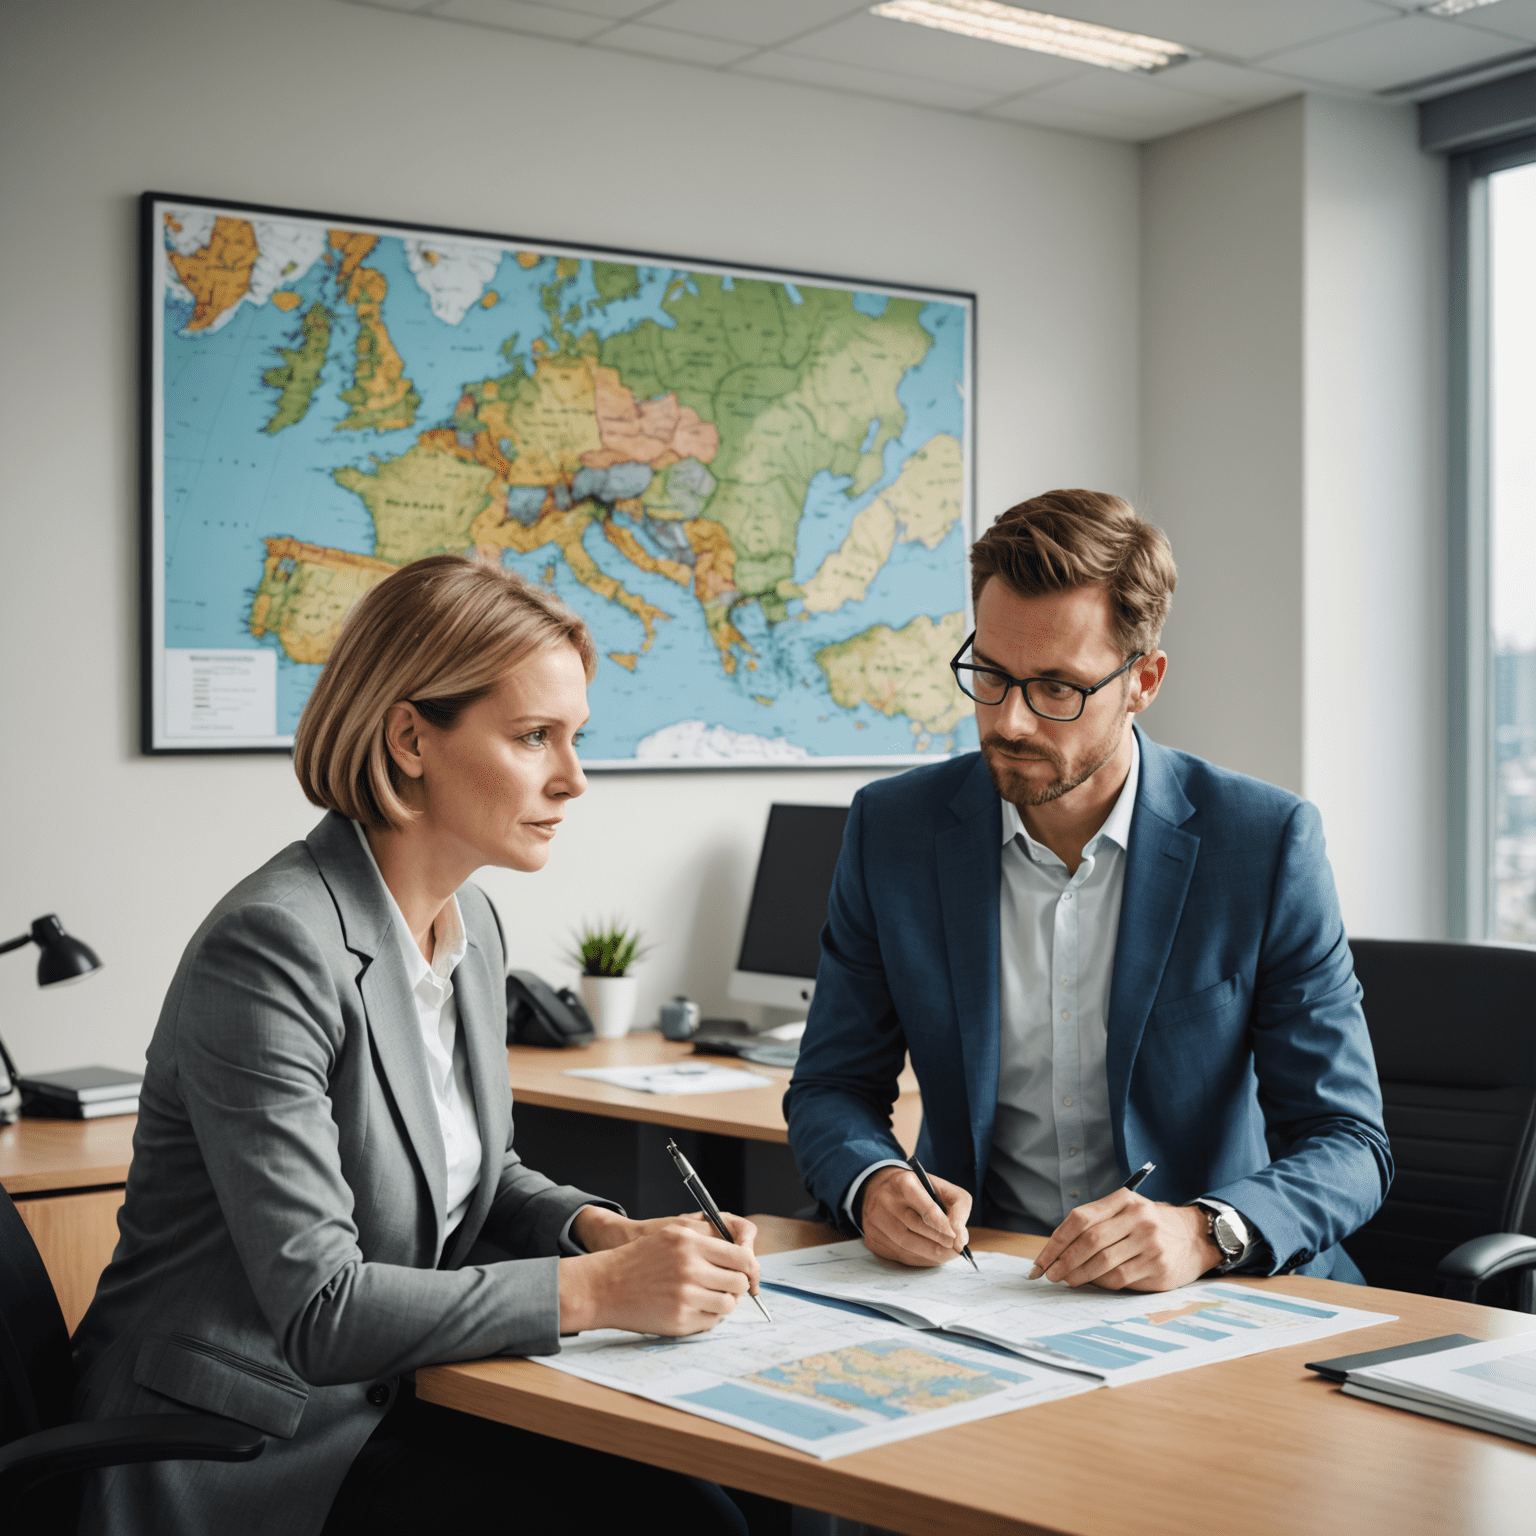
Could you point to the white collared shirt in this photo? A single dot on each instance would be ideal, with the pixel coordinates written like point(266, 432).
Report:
point(1053, 1146)
point(447, 1063)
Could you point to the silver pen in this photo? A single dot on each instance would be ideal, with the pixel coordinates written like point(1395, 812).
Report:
point(695, 1187)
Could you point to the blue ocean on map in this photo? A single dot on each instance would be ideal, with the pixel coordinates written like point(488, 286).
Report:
point(229, 484)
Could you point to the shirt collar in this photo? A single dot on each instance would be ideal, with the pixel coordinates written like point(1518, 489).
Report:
point(450, 941)
point(1117, 825)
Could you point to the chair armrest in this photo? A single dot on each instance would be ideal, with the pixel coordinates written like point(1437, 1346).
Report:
point(116, 1442)
point(1463, 1269)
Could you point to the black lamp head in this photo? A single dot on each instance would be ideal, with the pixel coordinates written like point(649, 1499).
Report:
point(63, 958)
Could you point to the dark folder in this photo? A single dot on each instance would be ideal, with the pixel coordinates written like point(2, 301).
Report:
point(1336, 1370)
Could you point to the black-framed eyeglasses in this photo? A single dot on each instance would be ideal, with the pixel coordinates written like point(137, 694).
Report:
point(1049, 697)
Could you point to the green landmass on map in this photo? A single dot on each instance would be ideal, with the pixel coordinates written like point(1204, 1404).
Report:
point(299, 374)
point(900, 672)
point(792, 389)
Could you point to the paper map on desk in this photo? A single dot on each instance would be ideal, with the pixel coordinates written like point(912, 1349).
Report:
point(823, 1377)
point(1115, 1336)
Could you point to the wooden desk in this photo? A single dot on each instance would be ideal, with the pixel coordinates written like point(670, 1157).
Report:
point(612, 1141)
point(67, 1177)
point(1260, 1446)
point(538, 1077)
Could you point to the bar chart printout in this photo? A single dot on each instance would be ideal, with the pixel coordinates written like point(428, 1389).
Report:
point(1117, 1337)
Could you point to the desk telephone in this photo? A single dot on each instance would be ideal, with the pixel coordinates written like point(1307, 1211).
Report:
point(538, 1015)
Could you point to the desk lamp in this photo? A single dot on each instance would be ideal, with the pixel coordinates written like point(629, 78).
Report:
point(63, 959)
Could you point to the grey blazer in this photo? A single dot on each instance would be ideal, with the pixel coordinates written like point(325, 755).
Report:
point(280, 1253)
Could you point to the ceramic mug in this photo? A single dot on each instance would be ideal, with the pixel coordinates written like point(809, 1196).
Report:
point(679, 1018)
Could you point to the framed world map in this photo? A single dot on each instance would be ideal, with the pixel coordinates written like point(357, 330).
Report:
point(755, 486)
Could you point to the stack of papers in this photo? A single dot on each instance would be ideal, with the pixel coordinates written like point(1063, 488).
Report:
point(1488, 1386)
point(1117, 1337)
point(681, 1077)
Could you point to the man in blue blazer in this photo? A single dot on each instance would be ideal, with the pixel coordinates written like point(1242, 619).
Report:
point(1098, 952)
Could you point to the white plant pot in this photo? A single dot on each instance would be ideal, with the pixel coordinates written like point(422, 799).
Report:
point(611, 1001)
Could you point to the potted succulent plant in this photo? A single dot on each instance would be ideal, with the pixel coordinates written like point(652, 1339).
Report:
point(605, 954)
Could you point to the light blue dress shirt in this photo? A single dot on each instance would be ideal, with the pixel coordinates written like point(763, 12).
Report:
point(1053, 1147)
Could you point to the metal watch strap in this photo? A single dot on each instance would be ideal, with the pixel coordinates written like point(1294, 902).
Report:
point(1229, 1256)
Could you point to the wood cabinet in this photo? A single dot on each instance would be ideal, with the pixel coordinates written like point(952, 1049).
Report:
point(67, 1178)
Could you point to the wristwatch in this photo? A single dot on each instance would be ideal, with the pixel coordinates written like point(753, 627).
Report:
point(1230, 1233)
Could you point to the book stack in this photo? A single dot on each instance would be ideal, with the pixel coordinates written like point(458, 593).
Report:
point(81, 1093)
point(1489, 1385)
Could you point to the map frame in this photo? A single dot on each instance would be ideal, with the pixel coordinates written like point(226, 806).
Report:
point(153, 265)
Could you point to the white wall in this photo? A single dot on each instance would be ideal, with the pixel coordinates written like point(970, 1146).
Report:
point(314, 104)
point(1293, 378)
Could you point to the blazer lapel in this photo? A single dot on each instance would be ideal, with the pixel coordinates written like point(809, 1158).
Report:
point(969, 871)
point(482, 1011)
point(387, 1000)
point(1159, 864)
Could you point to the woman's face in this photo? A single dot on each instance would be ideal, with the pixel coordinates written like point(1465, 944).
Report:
point(495, 785)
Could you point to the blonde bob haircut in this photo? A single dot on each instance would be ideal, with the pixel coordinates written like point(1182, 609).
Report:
point(441, 634)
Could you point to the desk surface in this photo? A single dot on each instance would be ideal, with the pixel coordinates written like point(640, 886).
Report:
point(538, 1077)
point(65, 1154)
point(1261, 1446)
point(75, 1154)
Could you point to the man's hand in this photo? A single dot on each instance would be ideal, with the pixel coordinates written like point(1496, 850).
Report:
point(674, 1275)
point(902, 1223)
point(1125, 1242)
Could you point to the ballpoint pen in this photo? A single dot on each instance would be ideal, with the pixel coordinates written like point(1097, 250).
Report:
point(695, 1187)
point(933, 1195)
point(1135, 1180)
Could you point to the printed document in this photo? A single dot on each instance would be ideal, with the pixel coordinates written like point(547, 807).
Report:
point(678, 1077)
point(1489, 1385)
point(824, 1377)
point(1116, 1337)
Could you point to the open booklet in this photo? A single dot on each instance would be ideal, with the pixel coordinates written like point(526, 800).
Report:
point(1112, 1336)
point(1489, 1385)
point(824, 1377)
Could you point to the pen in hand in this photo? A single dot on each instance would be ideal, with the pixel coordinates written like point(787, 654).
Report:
point(695, 1187)
point(933, 1195)
point(1136, 1179)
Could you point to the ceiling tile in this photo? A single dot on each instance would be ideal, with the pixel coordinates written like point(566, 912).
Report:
point(1037, 113)
point(1514, 18)
point(749, 21)
point(396, 5)
point(680, 47)
point(870, 42)
point(1243, 29)
point(865, 82)
point(1133, 100)
point(1392, 53)
point(1228, 82)
point(541, 20)
point(613, 10)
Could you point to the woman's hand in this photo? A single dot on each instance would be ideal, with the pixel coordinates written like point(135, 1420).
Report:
point(674, 1275)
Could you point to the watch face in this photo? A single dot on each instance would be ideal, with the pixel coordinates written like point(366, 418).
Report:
point(1226, 1237)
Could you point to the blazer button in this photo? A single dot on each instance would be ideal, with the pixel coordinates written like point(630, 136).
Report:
point(378, 1394)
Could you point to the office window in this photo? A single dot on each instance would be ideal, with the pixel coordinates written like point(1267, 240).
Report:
point(1510, 211)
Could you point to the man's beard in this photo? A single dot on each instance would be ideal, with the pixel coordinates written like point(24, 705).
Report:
point(1000, 752)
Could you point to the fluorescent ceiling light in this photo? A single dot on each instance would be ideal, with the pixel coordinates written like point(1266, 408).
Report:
point(1067, 39)
point(1456, 7)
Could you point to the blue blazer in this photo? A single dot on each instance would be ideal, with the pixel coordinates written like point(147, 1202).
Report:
point(1238, 1057)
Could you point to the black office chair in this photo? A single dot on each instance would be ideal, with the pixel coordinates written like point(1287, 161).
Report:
point(38, 1446)
point(1454, 1030)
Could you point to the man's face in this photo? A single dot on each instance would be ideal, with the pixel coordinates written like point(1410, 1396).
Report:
point(1066, 635)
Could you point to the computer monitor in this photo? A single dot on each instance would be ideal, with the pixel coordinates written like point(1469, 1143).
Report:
point(781, 945)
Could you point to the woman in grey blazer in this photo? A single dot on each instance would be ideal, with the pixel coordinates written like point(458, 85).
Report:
point(324, 1147)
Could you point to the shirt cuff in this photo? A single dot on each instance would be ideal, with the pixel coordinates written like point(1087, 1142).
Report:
point(567, 1244)
point(850, 1199)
